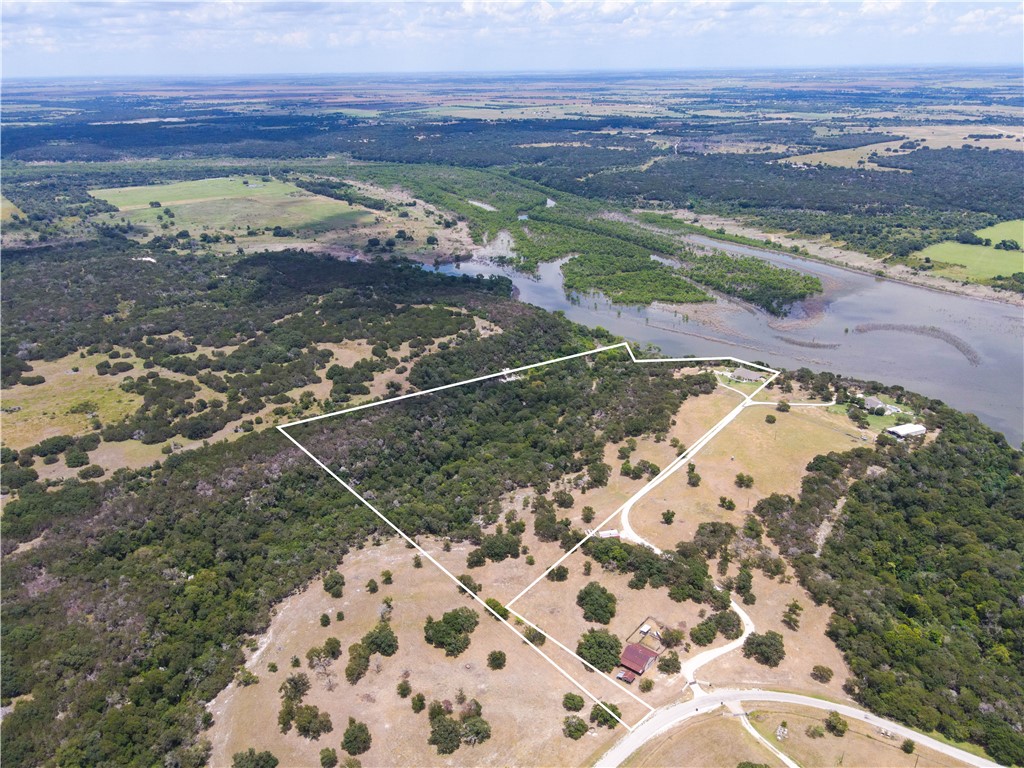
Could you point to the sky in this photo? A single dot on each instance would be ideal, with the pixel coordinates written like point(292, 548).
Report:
point(225, 37)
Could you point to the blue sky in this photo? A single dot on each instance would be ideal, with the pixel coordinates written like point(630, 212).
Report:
point(168, 37)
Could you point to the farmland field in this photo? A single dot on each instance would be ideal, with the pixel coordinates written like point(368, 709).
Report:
point(231, 206)
point(979, 262)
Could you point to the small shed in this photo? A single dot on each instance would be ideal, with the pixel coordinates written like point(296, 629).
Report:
point(903, 431)
point(745, 374)
point(611, 534)
point(637, 659)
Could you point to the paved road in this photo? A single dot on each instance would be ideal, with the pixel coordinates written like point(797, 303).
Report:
point(667, 717)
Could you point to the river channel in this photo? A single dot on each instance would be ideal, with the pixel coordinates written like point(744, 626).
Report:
point(967, 352)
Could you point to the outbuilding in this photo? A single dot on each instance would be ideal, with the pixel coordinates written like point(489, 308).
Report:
point(637, 659)
point(903, 431)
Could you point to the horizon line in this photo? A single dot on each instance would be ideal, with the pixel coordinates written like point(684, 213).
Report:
point(508, 73)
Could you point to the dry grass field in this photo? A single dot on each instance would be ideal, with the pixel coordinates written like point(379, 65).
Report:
point(775, 455)
point(932, 136)
point(716, 739)
point(806, 647)
point(862, 746)
point(523, 702)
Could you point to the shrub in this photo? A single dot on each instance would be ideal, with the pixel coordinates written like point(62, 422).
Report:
point(381, 639)
point(452, 631)
point(496, 660)
point(419, 703)
point(417, 561)
point(497, 607)
point(600, 715)
point(559, 573)
point(371, 586)
point(835, 724)
point(325, 620)
point(328, 758)
point(75, 459)
point(705, 632)
point(253, 759)
point(672, 638)
point(598, 603)
point(387, 577)
point(668, 516)
point(646, 685)
point(445, 734)
point(769, 419)
point(310, 722)
point(357, 738)
point(468, 582)
point(600, 648)
point(669, 663)
point(573, 702)
point(767, 649)
point(782, 407)
point(404, 689)
point(822, 673)
point(334, 584)
point(93, 470)
point(908, 746)
point(744, 480)
point(588, 515)
point(358, 663)
point(815, 731)
point(562, 499)
point(574, 727)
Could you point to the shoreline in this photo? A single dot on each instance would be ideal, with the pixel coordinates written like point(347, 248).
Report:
point(937, 284)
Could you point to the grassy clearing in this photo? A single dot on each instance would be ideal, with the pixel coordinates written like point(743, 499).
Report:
point(7, 209)
point(862, 745)
point(131, 198)
point(46, 408)
point(978, 262)
point(229, 206)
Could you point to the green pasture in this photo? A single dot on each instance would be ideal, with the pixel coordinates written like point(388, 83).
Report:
point(979, 262)
point(226, 205)
point(7, 208)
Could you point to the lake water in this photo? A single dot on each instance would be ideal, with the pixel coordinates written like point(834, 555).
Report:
point(966, 352)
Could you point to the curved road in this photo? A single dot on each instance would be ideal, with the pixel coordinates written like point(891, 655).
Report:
point(667, 717)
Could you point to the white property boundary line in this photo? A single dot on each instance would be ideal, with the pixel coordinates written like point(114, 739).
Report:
point(657, 480)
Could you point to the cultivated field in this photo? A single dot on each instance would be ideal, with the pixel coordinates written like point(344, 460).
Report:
point(229, 206)
point(979, 262)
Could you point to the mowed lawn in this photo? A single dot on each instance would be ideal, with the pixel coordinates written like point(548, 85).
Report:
point(980, 262)
point(227, 205)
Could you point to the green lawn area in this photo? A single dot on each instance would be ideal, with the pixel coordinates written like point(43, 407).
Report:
point(229, 206)
point(979, 262)
point(7, 208)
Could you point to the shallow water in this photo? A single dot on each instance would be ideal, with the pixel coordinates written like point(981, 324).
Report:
point(966, 352)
